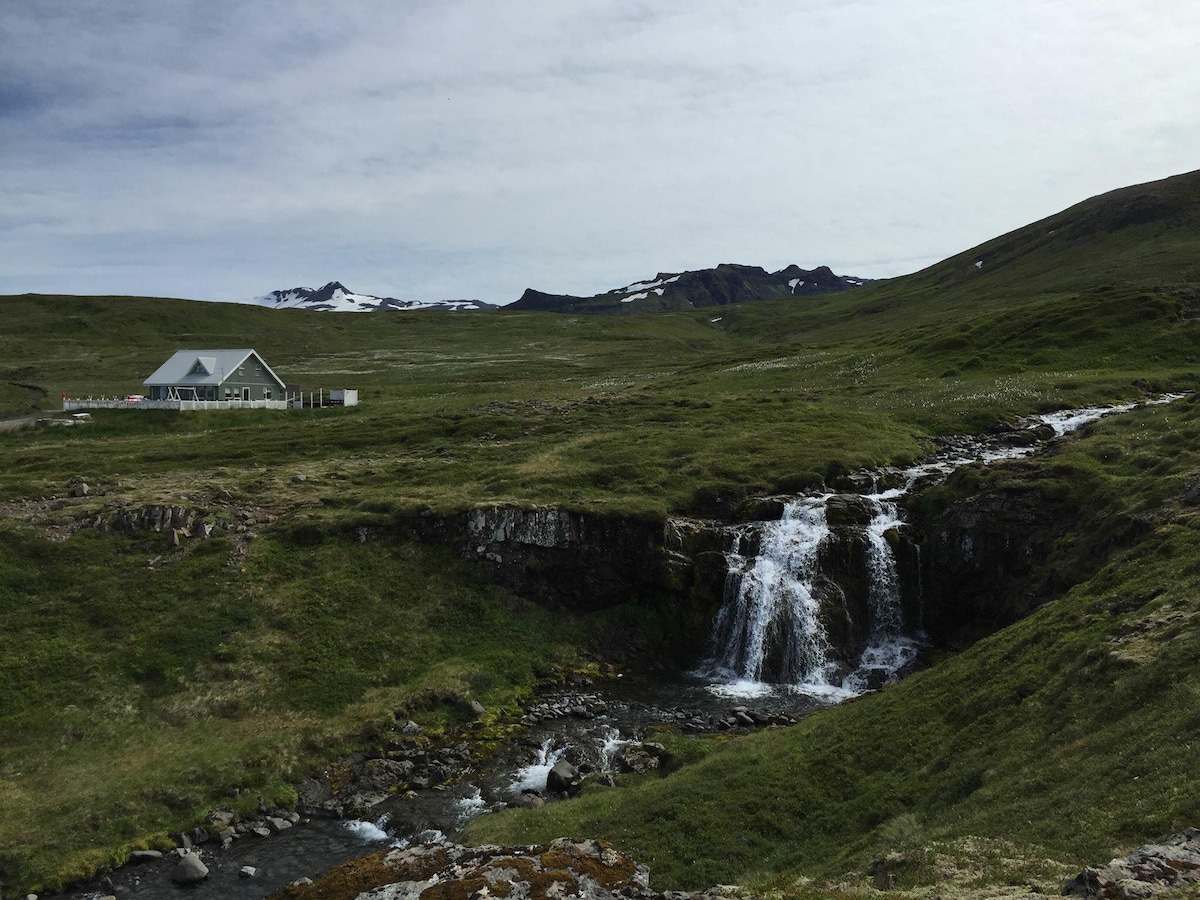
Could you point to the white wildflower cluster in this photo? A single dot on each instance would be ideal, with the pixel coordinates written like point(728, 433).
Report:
point(1005, 389)
point(801, 361)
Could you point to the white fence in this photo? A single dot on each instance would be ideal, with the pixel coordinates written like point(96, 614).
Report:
point(107, 403)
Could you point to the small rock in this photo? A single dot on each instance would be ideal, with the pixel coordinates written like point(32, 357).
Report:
point(529, 801)
point(301, 882)
point(220, 818)
point(278, 824)
point(80, 489)
point(299, 479)
point(477, 709)
point(248, 871)
point(189, 870)
point(141, 856)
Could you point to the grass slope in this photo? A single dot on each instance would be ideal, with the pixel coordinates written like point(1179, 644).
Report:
point(131, 695)
point(1077, 729)
point(135, 696)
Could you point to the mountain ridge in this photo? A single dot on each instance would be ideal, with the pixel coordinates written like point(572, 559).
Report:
point(719, 286)
point(335, 297)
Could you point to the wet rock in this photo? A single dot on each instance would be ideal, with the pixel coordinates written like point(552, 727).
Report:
point(311, 794)
point(380, 775)
point(189, 870)
point(141, 856)
point(849, 509)
point(277, 824)
point(873, 677)
point(563, 778)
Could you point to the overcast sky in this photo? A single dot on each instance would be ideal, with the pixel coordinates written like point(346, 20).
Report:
point(473, 148)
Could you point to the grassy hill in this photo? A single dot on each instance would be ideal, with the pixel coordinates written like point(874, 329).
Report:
point(1075, 731)
point(197, 669)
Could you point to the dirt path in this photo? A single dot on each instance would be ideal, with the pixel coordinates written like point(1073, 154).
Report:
point(19, 422)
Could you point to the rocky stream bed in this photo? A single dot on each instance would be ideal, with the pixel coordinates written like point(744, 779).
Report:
point(418, 790)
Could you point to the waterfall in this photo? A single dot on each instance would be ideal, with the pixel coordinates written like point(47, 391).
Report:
point(889, 649)
point(771, 628)
point(887, 613)
point(783, 594)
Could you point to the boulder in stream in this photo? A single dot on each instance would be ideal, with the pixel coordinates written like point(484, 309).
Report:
point(563, 777)
point(189, 869)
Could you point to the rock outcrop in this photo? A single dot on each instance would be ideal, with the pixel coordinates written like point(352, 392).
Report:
point(589, 870)
point(1149, 870)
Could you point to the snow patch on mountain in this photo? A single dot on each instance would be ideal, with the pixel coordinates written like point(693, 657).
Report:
point(334, 297)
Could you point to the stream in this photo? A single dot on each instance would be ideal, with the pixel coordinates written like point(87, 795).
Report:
point(771, 655)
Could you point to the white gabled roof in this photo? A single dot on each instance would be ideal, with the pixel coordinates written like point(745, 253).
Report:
point(203, 367)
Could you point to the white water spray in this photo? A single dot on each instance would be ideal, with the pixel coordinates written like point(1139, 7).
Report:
point(769, 628)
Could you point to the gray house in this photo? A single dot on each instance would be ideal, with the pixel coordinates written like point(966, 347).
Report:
point(215, 375)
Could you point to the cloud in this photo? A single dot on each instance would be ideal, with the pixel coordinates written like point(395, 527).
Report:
point(429, 150)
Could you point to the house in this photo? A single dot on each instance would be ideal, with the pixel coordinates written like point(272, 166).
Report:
point(237, 375)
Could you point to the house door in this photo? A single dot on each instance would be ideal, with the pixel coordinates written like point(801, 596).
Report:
point(245, 393)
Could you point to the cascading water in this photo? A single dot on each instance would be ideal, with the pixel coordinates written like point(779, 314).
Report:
point(771, 627)
point(890, 650)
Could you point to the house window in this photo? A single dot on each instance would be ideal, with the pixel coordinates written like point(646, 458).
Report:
point(241, 370)
point(266, 393)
